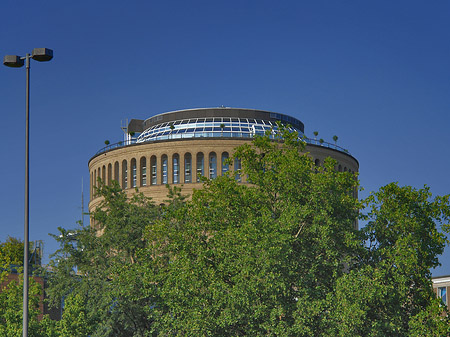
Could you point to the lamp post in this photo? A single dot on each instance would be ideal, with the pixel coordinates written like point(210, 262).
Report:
point(42, 55)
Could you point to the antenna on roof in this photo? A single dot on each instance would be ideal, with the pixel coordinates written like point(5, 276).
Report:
point(126, 135)
point(124, 125)
point(82, 203)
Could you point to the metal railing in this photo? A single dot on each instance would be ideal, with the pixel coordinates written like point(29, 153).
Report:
point(116, 145)
point(325, 144)
point(121, 144)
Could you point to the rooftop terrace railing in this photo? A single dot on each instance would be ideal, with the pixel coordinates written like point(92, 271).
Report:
point(133, 141)
point(326, 144)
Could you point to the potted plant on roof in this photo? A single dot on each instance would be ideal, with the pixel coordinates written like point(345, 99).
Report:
point(335, 138)
point(222, 126)
point(316, 133)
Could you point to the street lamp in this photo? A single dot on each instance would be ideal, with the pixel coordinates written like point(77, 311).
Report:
point(14, 61)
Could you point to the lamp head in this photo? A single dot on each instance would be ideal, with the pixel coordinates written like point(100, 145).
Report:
point(42, 54)
point(13, 61)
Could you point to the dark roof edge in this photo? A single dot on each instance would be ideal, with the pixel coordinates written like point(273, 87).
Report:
point(137, 125)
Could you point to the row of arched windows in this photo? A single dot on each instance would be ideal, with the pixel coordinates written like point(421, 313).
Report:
point(174, 169)
point(340, 168)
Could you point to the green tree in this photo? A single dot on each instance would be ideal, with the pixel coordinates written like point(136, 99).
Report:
point(75, 321)
point(335, 138)
point(394, 274)
point(97, 269)
point(279, 256)
point(255, 259)
point(11, 252)
point(11, 295)
point(282, 257)
point(432, 321)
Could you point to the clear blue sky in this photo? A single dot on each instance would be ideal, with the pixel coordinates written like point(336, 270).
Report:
point(376, 74)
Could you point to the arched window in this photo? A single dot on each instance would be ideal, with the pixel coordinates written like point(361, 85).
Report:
point(340, 168)
point(92, 184)
point(133, 173)
point(124, 175)
point(109, 174)
point(317, 162)
point(104, 174)
point(143, 163)
point(200, 166)
point(176, 168)
point(164, 168)
point(99, 175)
point(153, 170)
point(237, 168)
point(95, 180)
point(225, 166)
point(187, 168)
point(116, 171)
point(212, 165)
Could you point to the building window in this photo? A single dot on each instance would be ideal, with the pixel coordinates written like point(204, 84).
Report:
point(143, 171)
point(124, 175)
point(116, 171)
point(133, 171)
point(225, 166)
point(175, 166)
point(200, 167)
point(212, 165)
point(94, 190)
point(104, 174)
point(442, 294)
point(187, 168)
point(109, 174)
point(237, 169)
point(164, 169)
point(153, 170)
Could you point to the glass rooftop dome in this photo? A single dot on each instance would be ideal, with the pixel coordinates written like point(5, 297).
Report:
point(210, 123)
point(235, 127)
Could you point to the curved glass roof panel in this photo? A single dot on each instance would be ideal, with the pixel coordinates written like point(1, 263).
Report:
point(208, 127)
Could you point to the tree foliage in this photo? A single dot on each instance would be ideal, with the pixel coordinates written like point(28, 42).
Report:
point(278, 256)
point(98, 267)
point(256, 259)
point(11, 293)
point(11, 301)
point(403, 245)
point(11, 252)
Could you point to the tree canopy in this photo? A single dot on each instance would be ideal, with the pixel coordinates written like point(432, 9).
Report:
point(11, 252)
point(11, 293)
point(279, 256)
